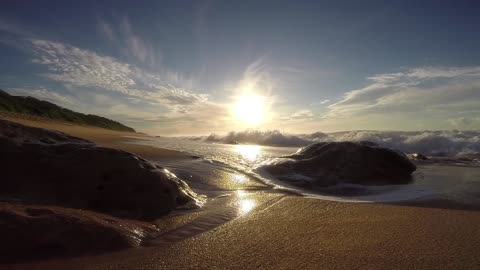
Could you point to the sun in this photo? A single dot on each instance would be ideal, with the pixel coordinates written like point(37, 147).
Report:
point(249, 109)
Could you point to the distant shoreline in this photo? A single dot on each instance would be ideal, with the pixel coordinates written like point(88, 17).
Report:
point(101, 136)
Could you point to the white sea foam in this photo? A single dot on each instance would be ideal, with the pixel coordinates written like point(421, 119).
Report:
point(273, 138)
point(433, 143)
point(432, 180)
point(364, 194)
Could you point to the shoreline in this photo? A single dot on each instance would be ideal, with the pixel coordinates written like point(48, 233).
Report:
point(100, 136)
point(320, 233)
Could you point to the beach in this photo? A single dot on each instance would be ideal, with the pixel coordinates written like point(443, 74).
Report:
point(260, 228)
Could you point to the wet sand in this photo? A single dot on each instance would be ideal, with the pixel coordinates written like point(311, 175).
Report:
point(269, 230)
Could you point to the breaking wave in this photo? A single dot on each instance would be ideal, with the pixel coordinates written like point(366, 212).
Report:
point(432, 143)
point(270, 138)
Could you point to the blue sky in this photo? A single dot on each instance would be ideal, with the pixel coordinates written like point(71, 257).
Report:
point(176, 67)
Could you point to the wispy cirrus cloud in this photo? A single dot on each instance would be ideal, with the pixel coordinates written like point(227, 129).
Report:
point(430, 91)
point(121, 34)
point(85, 68)
point(300, 115)
point(13, 29)
point(153, 97)
point(257, 79)
point(128, 91)
point(325, 101)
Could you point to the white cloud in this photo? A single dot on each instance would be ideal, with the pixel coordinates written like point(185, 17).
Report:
point(85, 68)
point(325, 101)
point(122, 35)
point(105, 29)
point(256, 80)
point(440, 91)
point(143, 95)
point(301, 115)
point(95, 83)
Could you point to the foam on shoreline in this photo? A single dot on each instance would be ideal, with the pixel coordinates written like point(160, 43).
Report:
point(423, 187)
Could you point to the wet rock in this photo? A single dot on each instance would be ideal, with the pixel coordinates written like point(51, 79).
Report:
point(368, 143)
point(40, 232)
point(40, 166)
point(330, 163)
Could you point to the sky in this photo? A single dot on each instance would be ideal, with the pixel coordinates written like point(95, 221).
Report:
point(182, 67)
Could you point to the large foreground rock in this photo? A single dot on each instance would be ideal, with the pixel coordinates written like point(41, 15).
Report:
point(31, 232)
point(330, 163)
point(46, 167)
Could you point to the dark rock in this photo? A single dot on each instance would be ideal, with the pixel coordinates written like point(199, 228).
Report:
point(368, 143)
point(40, 232)
point(46, 167)
point(330, 163)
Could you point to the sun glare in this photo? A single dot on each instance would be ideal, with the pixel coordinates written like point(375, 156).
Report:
point(250, 109)
point(249, 152)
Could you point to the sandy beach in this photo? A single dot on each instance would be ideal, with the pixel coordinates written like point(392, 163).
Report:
point(286, 231)
point(308, 134)
point(101, 136)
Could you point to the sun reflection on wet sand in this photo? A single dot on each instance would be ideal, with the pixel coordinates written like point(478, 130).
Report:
point(239, 178)
point(244, 205)
point(248, 152)
point(241, 193)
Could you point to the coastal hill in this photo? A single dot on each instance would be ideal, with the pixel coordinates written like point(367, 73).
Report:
point(35, 107)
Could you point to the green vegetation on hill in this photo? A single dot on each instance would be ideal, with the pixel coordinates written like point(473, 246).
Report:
point(33, 106)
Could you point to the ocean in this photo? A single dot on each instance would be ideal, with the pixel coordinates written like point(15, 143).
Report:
point(224, 167)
